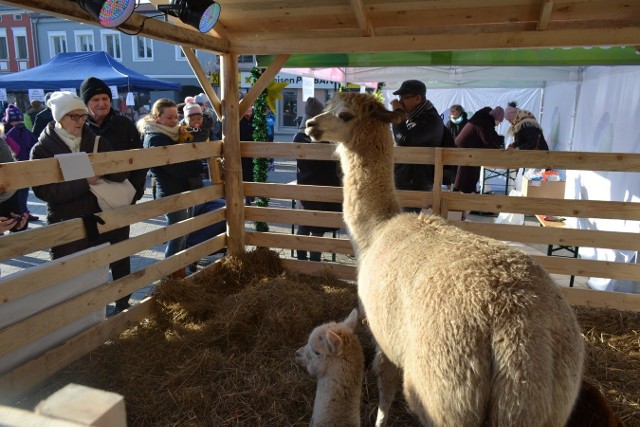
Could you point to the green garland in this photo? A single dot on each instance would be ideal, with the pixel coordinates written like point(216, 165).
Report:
point(259, 123)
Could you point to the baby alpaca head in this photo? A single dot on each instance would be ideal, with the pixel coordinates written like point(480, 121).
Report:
point(348, 114)
point(326, 342)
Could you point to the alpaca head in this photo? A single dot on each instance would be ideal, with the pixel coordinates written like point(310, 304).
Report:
point(326, 343)
point(350, 114)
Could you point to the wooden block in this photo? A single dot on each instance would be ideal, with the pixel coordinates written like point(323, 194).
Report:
point(14, 417)
point(85, 405)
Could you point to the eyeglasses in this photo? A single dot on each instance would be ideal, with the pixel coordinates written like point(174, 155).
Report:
point(403, 97)
point(78, 117)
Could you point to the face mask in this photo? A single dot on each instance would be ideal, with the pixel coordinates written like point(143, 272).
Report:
point(457, 121)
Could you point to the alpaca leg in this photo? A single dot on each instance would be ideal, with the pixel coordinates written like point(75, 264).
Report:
point(389, 381)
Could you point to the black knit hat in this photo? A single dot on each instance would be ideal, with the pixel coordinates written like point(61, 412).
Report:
point(92, 86)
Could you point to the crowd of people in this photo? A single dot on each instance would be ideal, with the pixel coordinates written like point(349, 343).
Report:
point(67, 123)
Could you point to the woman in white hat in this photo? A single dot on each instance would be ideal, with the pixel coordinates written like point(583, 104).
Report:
point(69, 199)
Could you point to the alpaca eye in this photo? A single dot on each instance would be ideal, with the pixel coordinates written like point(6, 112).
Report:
point(317, 353)
point(345, 117)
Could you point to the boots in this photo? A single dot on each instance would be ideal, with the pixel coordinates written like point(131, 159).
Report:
point(178, 274)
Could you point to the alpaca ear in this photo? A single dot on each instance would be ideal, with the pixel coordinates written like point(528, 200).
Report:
point(352, 320)
point(334, 343)
point(387, 116)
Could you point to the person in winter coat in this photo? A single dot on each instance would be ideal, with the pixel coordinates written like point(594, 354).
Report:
point(457, 119)
point(21, 137)
point(160, 128)
point(525, 129)
point(480, 132)
point(70, 199)
point(122, 134)
point(31, 113)
point(423, 128)
point(315, 172)
point(42, 118)
point(11, 218)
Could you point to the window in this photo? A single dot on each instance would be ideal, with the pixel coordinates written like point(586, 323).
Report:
point(289, 108)
point(246, 59)
point(84, 41)
point(4, 44)
point(17, 17)
point(20, 42)
point(111, 44)
point(57, 42)
point(180, 54)
point(142, 49)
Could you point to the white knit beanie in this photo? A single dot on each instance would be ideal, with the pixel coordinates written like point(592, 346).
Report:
point(62, 103)
point(191, 109)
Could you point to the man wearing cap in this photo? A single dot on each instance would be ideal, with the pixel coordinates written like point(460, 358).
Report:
point(423, 127)
point(122, 134)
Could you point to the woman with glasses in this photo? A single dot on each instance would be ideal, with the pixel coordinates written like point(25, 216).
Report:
point(70, 199)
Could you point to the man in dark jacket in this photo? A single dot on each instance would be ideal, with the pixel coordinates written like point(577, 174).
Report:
point(122, 134)
point(42, 118)
point(315, 172)
point(422, 128)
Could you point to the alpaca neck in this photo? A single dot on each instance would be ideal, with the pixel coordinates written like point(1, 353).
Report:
point(338, 396)
point(368, 187)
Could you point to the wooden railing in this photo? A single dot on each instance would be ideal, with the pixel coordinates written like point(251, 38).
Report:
point(30, 173)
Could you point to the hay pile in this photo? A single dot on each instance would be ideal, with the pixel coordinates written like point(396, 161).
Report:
point(221, 351)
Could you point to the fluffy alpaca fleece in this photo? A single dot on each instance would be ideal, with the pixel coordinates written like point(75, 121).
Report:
point(333, 354)
point(478, 331)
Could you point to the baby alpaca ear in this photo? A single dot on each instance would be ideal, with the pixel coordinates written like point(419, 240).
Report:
point(352, 320)
point(334, 343)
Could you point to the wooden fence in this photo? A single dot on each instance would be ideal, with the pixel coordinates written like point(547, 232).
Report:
point(29, 173)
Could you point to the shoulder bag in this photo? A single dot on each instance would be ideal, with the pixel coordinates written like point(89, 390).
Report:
point(111, 194)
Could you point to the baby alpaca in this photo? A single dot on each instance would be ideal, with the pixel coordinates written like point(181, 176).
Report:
point(333, 354)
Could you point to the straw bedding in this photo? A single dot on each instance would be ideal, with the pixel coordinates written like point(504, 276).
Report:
point(221, 350)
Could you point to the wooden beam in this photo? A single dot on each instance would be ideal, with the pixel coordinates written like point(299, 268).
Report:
point(622, 36)
point(362, 17)
point(231, 147)
point(545, 14)
point(136, 24)
point(260, 85)
point(203, 79)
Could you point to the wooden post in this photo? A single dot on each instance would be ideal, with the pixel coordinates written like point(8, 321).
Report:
point(234, 191)
point(437, 182)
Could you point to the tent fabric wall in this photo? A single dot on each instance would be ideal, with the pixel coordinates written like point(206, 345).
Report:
point(69, 69)
point(606, 109)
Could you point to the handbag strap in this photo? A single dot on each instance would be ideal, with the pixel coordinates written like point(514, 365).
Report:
point(96, 143)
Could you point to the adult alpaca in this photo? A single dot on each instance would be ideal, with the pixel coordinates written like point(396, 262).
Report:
point(480, 331)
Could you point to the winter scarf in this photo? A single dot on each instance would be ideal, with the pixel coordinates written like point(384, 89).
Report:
point(72, 141)
point(523, 119)
point(149, 126)
point(416, 112)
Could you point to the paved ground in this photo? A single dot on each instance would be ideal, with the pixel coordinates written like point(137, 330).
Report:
point(285, 171)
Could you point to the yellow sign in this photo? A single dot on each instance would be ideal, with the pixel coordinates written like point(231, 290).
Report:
point(214, 79)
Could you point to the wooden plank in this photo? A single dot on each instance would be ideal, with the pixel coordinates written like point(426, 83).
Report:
point(30, 173)
point(295, 216)
point(22, 284)
point(340, 271)
point(545, 15)
point(18, 382)
point(51, 235)
point(588, 268)
point(363, 18)
point(535, 205)
point(14, 417)
point(293, 241)
point(603, 299)
point(567, 237)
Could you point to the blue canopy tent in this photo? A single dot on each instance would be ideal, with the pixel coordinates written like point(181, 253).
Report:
point(69, 69)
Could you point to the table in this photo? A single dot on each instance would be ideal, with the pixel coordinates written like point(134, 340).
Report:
point(552, 249)
point(489, 173)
